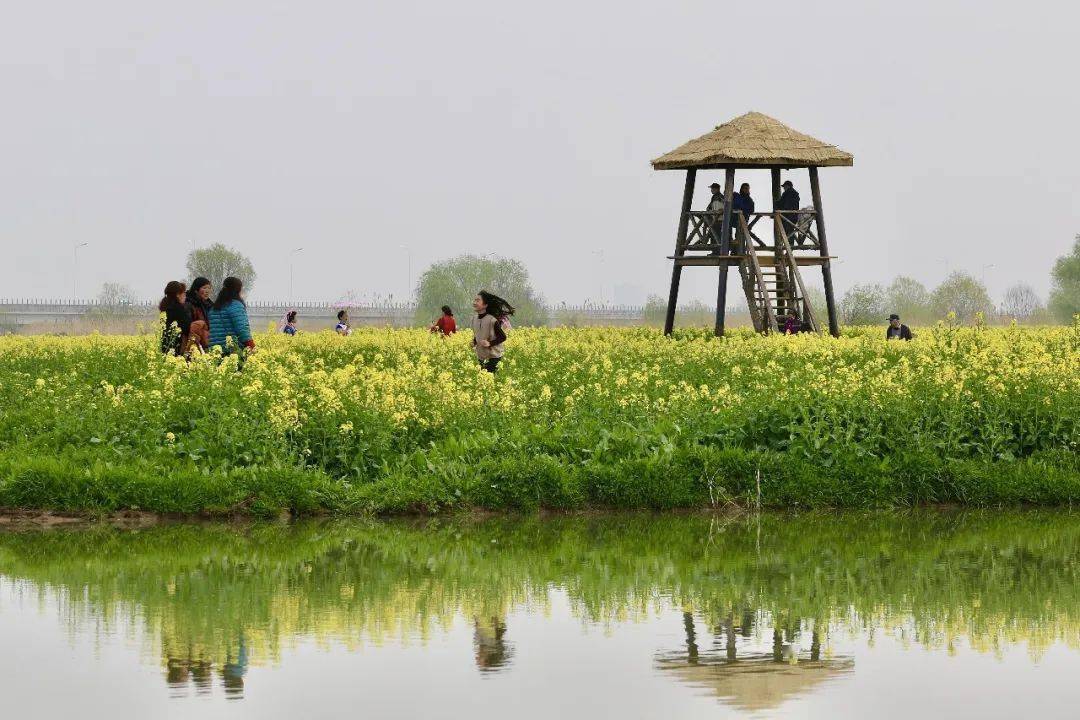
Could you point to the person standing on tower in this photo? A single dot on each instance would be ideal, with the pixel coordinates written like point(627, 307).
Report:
point(716, 200)
point(716, 205)
point(788, 202)
point(742, 202)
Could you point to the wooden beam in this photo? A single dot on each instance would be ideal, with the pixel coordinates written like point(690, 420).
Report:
point(709, 260)
point(725, 249)
point(826, 269)
point(680, 243)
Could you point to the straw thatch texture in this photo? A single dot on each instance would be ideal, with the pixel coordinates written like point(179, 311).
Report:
point(753, 140)
point(757, 684)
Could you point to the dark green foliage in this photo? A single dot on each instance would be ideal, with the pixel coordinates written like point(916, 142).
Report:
point(963, 295)
point(455, 282)
point(217, 262)
point(1065, 295)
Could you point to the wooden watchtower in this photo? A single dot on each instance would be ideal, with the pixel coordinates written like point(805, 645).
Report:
point(769, 270)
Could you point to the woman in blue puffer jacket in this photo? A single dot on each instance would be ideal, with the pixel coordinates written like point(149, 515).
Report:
point(229, 327)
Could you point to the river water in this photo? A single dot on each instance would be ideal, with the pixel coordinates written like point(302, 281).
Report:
point(921, 614)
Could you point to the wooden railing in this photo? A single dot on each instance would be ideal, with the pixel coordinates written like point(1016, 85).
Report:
point(757, 292)
point(34, 311)
point(791, 268)
point(704, 228)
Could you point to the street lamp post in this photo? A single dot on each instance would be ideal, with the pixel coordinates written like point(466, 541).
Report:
point(600, 273)
point(75, 269)
point(984, 269)
point(291, 256)
point(408, 265)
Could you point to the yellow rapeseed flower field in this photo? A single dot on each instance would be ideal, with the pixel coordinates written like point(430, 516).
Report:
point(571, 410)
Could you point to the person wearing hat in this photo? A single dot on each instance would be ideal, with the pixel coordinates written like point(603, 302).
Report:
point(789, 203)
point(716, 205)
point(897, 330)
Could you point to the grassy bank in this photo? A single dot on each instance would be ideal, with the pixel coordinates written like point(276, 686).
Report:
point(399, 421)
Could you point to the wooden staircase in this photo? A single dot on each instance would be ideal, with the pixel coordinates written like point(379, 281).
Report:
point(773, 284)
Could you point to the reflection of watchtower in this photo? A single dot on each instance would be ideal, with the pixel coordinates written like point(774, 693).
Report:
point(770, 272)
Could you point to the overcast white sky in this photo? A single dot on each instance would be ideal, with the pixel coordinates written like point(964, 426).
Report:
point(352, 129)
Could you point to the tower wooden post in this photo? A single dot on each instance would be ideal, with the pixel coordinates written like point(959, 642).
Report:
point(680, 245)
point(826, 270)
point(725, 252)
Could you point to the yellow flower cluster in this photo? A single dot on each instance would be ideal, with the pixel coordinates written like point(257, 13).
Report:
point(973, 380)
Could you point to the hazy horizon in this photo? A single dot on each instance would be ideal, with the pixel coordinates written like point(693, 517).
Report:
point(356, 131)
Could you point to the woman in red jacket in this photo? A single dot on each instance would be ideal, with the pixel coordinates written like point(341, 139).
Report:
point(445, 325)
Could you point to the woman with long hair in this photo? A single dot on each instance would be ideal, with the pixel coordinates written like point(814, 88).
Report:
point(229, 327)
point(489, 328)
point(198, 304)
point(342, 327)
point(177, 327)
point(446, 324)
point(288, 324)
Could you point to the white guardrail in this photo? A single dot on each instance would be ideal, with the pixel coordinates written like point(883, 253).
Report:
point(20, 312)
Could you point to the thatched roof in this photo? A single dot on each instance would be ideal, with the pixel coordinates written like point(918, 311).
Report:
point(753, 140)
point(760, 683)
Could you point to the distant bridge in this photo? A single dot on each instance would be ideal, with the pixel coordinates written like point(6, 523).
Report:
point(50, 315)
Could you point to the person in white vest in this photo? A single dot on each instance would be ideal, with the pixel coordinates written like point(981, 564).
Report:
point(489, 328)
point(716, 205)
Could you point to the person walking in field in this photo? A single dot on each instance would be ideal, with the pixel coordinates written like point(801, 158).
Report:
point(198, 305)
point(289, 326)
point(446, 324)
point(229, 326)
point(489, 328)
point(897, 330)
point(342, 327)
point(177, 328)
point(792, 326)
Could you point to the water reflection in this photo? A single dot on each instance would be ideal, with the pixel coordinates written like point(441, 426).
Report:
point(750, 679)
point(489, 639)
point(188, 673)
point(758, 604)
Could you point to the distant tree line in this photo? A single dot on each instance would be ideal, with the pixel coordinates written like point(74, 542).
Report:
point(455, 282)
point(1065, 292)
point(959, 294)
point(966, 297)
